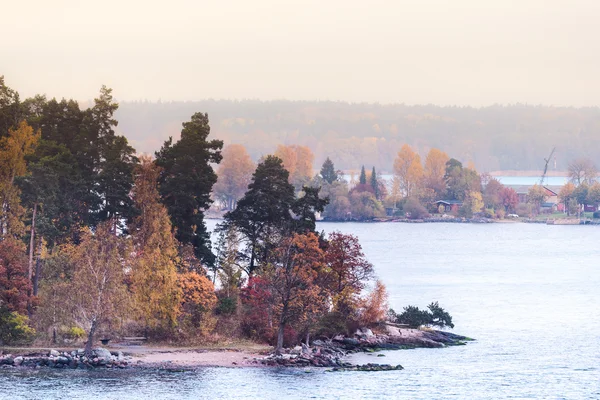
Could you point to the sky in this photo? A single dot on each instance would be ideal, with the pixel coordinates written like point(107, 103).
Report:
point(453, 52)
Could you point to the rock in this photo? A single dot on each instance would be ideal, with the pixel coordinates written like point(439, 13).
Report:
point(7, 360)
point(18, 361)
point(54, 353)
point(62, 360)
point(120, 356)
point(103, 354)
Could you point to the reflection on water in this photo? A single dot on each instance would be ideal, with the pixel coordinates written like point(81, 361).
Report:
point(528, 293)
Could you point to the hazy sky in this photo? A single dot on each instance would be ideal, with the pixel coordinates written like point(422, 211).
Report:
point(464, 52)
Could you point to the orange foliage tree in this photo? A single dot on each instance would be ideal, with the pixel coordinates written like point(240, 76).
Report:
point(199, 300)
point(298, 161)
point(14, 285)
point(374, 306)
point(233, 175)
point(292, 279)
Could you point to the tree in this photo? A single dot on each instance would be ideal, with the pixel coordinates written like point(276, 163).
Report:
point(199, 300)
point(536, 196)
point(339, 207)
point(234, 175)
point(460, 181)
point(115, 180)
point(492, 194)
point(9, 108)
point(364, 206)
point(292, 279)
point(15, 287)
point(374, 184)
point(156, 293)
point(593, 195)
point(98, 291)
point(509, 198)
point(298, 160)
point(434, 316)
point(435, 168)
point(305, 209)
point(408, 171)
point(264, 211)
point(347, 270)
point(473, 204)
point(14, 148)
point(186, 181)
point(363, 176)
point(374, 306)
point(328, 172)
point(583, 170)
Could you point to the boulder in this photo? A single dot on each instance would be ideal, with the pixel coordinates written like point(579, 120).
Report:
point(18, 361)
point(54, 353)
point(103, 354)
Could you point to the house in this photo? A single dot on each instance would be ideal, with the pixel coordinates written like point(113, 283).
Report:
point(448, 204)
point(552, 201)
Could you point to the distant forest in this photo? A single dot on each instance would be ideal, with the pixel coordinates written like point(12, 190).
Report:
point(515, 137)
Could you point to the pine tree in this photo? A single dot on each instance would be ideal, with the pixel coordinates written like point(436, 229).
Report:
point(186, 182)
point(328, 172)
point(264, 211)
point(363, 176)
point(375, 184)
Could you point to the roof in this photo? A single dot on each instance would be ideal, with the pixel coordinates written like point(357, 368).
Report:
point(449, 202)
point(524, 189)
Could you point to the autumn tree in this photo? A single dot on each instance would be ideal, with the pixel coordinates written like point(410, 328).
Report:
point(536, 196)
point(374, 306)
point(298, 161)
point(264, 212)
point(509, 199)
point(460, 181)
point(347, 271)
point(473, 203)
point(328, 172)
point(157, 295)
point(98, 291)
point(305, 209)
point(15, 287)
point(435, 169)
point(234, 175)
point(292, 277)
point(492, 193)
point(408, 171)
point(199, 300)
point(582, 170)
point(186, 181)
point(14, 148)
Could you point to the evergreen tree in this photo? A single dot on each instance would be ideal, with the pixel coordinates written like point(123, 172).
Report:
point(375, 184)
point(328, 172)
point(363, 176)
point(264, 211)
point(186, 181)
point(305, 209)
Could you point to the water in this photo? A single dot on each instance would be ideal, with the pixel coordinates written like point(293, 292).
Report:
point(528, 293)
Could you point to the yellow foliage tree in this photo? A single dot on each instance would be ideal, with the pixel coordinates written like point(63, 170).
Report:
point(19, 143)
point(157, 295)
point(298, 161)
point(199, 300)
point(408, 171)
point(435, 168)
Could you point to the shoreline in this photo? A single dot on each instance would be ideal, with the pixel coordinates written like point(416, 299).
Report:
point(330, 353)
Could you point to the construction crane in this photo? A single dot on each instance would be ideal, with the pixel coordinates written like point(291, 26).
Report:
point(547, 160)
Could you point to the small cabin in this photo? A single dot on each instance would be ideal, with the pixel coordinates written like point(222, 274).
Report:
point(448, 204)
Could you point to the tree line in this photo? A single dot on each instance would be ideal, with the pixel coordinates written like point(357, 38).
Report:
point(96, 240)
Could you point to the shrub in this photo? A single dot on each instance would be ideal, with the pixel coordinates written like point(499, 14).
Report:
point(413, 317)
point(74, 332)
point(596, 214)
point(226, 306)
point(414, 209)
point(14, 328)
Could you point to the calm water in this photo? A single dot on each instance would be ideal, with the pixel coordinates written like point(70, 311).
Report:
point(528, 293)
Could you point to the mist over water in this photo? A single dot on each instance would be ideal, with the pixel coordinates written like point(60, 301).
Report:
point(528, 293)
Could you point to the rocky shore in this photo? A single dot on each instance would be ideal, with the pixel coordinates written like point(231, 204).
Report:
point(75, 359)
point(332, 353)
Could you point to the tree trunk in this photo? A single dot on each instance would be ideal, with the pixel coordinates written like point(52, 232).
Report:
point(90, 341)
point(280, 338)
point(38, 268)
point(307, 339)
point(32, 243)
